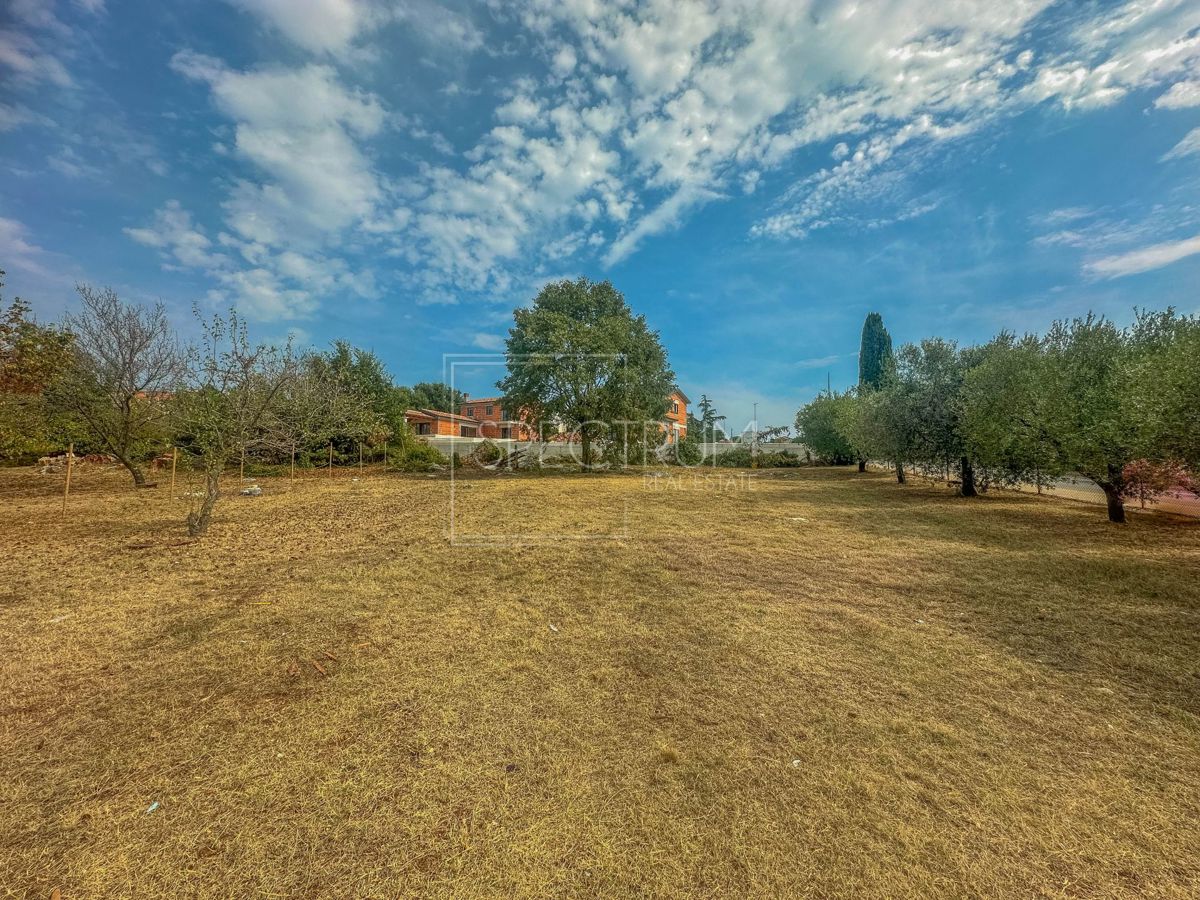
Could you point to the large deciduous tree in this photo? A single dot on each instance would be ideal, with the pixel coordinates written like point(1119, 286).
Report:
point(126, 363)
point(581, 356)
point(882, 424)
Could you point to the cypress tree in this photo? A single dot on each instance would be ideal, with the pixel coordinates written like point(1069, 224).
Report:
point(874, 354)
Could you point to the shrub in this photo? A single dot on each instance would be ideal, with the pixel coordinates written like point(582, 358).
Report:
point(416, 456)
point(488, 452)
point(741, 458)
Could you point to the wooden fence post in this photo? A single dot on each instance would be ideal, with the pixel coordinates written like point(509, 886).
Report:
point(242, 468)
point(331, 459)
point(174, 460)
point(385, 456)
point(67, 483)
point(292, 477)
point(360, 457)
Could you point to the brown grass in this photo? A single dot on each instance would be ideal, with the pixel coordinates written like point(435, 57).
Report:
point(826, 685)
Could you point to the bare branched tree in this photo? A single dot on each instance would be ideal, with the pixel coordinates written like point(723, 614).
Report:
point(126, 364)
point(235, 388)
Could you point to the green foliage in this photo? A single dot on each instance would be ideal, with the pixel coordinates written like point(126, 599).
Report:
point(818, 426)
point(434, 395)
point(743, 457)
point(875, 361)
point(708, 425)
point(882, 424)
point(688, 451)
point(1003, 412)
point(488, 452)
point(581, 356)
point(32, 357)
point(415, 456)
point(1163, 388)
point(370, 405)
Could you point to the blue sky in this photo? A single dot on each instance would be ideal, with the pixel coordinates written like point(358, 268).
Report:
point(754, 176)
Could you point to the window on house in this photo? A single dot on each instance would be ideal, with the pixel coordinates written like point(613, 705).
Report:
point(466, 431)
point(471, 412)
point(487, 411)
point(674, 406)
point(422, 428)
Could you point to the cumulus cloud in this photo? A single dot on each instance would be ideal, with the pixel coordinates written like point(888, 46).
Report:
point(641, 114)
point(1182, 95)
point(688, 101)
point(301, 129)
point(316, 25)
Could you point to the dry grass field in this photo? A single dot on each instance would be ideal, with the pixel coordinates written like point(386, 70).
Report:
point(825, 685)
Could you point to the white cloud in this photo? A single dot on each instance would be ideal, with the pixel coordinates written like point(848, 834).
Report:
point(14, 116)
point(176, 235)
point(641, 114)
point(1182, 95)
point(28, 62)
point(1188, 146)
point(17, 251)
point(1143, 260)
point(817, 362)
point(300, 128)
point(665, 216)
point(264, 283)
point(563, 62)
point(485, 341)
point(316, 25)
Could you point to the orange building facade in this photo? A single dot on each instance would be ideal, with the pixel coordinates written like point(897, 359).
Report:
point(675, 423)
point(435, 422)
point(486, 417)
point(494, 420)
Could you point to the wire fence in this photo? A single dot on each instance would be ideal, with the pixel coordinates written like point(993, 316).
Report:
point(181, 478)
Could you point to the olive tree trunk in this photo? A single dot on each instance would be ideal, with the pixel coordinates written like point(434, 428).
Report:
point(968, 478)
point(900, 473)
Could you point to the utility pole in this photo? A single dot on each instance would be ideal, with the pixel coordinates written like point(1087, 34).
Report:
point(754, 441)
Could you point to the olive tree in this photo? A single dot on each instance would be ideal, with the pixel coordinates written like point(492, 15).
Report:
point(882, 424)
point(1004, 418)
